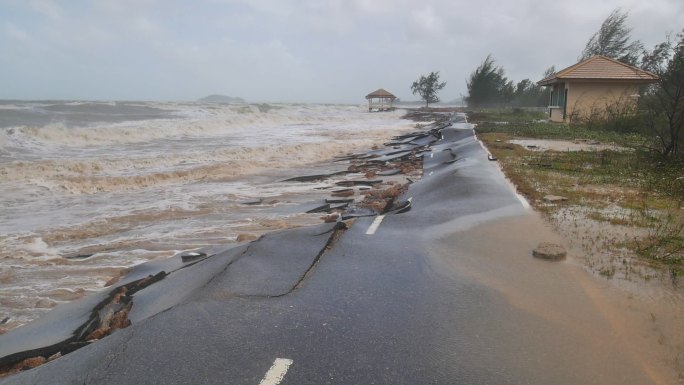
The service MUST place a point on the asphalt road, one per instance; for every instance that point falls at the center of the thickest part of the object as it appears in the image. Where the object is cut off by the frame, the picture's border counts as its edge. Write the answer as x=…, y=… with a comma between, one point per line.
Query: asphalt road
x=421, y=297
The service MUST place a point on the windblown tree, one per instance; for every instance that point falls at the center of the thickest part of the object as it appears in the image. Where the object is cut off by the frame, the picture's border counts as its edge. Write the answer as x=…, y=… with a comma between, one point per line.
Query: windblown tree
x=549, y=71
x=488, y=85
x=664, y=102
x=528, y=94
x=614, y=40
x=427, y=87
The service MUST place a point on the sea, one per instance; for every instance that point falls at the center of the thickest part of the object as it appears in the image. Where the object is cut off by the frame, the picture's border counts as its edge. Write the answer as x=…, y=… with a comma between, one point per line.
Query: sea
x=89, y=189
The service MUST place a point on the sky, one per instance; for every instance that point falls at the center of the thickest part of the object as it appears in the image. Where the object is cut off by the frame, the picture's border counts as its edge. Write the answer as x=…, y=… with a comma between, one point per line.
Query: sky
x=326, y=51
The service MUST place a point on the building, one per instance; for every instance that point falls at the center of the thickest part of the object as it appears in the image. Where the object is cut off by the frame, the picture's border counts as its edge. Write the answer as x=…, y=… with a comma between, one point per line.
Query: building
x=593, y=87
x=380, y=100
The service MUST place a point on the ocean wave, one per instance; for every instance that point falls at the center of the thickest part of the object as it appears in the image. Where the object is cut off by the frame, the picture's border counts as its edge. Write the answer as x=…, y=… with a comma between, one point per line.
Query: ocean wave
x=200, y=121
x=101, y=174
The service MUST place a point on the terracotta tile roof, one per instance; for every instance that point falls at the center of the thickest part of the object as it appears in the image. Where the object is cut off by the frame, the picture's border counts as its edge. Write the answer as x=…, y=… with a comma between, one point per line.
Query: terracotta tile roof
x=380, y=93
x=600, y=68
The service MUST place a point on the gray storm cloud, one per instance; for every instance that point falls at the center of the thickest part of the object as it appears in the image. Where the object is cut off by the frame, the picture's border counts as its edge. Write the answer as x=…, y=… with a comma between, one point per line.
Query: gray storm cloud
x=312, y=51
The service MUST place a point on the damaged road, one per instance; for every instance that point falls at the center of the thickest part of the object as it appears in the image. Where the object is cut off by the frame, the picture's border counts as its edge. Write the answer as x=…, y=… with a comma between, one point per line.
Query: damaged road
x=253, y=270
x=375, y=296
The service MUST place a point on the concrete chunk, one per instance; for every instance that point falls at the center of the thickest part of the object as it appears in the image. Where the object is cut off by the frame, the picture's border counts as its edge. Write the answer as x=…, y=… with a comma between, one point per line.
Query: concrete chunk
x=549, y=251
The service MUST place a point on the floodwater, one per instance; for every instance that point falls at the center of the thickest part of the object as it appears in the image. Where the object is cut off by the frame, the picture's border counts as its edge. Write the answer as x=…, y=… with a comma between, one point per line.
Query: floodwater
x=556, y=319
x=566, y=145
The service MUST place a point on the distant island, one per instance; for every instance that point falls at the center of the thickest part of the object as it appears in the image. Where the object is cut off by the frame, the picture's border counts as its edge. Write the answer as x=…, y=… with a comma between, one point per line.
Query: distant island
x=222, y=99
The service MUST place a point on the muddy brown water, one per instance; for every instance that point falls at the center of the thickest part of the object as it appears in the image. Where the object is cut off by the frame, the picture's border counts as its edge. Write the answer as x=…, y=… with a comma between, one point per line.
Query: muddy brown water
x=560, y=316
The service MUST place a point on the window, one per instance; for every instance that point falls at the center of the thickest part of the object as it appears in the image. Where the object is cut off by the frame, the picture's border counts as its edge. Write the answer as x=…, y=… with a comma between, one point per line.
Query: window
x=558, y=95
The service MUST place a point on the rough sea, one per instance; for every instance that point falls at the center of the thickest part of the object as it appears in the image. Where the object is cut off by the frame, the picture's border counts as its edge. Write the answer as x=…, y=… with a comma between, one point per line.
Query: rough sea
x=88, y=189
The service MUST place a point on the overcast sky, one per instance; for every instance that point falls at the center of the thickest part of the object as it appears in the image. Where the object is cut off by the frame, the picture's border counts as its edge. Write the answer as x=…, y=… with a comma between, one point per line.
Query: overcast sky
x=287, y=50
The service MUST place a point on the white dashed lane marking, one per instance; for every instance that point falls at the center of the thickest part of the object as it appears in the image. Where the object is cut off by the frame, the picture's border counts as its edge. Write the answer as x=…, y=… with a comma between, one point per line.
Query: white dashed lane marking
x=374, y=226
x=277, y=372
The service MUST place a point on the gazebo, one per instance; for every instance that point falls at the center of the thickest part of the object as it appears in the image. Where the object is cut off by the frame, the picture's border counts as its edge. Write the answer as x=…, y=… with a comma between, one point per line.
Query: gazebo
x=380, y=100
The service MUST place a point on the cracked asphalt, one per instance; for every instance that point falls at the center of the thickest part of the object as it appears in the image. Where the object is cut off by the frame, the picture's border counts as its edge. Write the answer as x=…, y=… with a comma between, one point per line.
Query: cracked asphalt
x=416, y=302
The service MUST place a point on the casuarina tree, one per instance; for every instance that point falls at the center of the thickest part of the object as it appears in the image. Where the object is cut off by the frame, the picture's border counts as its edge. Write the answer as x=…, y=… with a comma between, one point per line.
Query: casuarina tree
x=528, y=94
x=427, y=87
x=665, y=101
x=614, y=41
x=488, y=85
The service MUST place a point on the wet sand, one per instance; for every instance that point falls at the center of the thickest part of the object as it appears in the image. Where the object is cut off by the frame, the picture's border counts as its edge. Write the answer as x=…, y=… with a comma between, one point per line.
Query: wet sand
x=584, y=310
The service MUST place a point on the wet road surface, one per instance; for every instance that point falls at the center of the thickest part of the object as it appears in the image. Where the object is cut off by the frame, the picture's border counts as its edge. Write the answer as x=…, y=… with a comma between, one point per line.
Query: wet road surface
x=446, y=293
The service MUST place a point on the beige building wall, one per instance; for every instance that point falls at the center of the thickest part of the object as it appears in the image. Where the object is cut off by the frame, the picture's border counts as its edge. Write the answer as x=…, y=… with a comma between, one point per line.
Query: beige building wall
x=556, y=114
x=587, y=100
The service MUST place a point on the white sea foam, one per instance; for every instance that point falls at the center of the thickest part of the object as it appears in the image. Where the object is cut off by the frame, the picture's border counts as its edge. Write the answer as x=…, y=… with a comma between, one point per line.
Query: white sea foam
x=203, y=122
x=209, y=149
x=97, y=175
x=39, y=247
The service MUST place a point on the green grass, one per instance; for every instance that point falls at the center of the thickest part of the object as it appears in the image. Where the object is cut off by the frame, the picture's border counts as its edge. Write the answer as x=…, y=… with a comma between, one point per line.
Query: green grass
x=507, y=115
x=548, y=130
x=633, y=180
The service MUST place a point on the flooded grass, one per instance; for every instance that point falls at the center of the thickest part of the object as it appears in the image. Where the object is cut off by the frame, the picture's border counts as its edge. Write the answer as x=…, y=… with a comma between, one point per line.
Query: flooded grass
x=629, y=191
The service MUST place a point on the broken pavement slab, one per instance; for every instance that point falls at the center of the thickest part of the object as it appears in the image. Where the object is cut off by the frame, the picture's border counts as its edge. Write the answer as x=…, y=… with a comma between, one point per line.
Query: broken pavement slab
x=389, y=172
x=270, y=267
x=314, y=178
x=192, y=256
x=275, y=264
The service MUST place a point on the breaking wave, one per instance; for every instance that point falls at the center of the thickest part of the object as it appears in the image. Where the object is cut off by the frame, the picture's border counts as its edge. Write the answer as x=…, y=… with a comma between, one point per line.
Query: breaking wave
x=198, y=122
x=102, y=174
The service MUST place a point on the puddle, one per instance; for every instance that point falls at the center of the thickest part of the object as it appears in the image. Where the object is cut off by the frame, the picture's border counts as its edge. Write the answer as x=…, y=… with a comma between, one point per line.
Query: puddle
x=566, y=145
x=615, y=335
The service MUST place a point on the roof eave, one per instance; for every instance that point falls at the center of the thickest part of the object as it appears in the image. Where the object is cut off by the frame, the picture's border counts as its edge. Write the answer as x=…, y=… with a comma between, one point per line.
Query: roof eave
x=558, y=77
x=549, y=82
x=612, y=80
x=369, y=96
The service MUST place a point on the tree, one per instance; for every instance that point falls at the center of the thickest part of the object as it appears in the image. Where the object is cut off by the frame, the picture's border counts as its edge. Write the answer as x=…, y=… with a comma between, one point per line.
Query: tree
x=549, y=71
x=614, y=41
x=665, y=101
x=427, y=87
x=488, y=85
x=528, y=94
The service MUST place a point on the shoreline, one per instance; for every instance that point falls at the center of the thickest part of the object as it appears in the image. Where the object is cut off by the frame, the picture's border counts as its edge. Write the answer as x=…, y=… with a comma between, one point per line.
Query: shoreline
x=83, y=235
x=352, y=193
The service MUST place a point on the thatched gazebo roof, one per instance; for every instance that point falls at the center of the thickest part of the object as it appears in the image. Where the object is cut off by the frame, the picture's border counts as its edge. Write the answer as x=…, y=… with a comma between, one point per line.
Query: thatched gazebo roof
x=380, y=93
